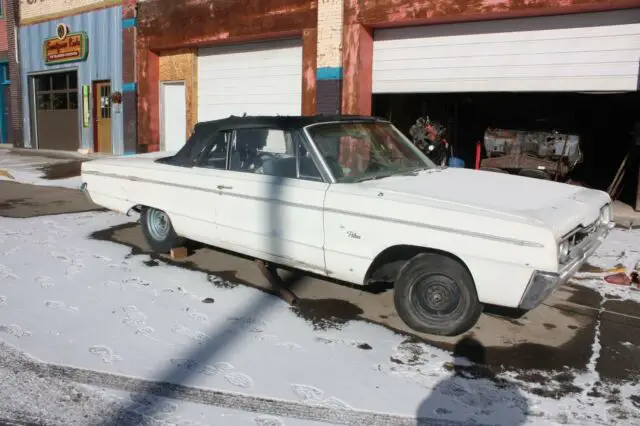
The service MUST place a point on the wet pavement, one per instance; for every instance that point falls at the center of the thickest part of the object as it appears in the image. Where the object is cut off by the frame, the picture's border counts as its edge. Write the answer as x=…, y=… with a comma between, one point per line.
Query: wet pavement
x=547, y=346
x=62, y=170
x=48, y=168
x=22, y=200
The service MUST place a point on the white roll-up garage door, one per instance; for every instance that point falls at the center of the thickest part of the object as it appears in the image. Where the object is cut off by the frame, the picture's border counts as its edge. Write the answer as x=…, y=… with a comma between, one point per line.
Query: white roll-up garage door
x=594, y=52
x=262, y=78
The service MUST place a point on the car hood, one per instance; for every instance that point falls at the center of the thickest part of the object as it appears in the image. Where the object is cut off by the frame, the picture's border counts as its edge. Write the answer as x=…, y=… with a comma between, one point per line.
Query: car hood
x=560, y=207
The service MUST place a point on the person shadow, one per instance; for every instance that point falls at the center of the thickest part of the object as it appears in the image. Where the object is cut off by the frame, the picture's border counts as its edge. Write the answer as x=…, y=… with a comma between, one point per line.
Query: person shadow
x=472, y=393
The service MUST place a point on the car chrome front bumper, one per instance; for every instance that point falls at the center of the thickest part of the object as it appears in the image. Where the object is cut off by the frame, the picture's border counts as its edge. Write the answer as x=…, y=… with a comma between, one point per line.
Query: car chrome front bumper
x=542, y=284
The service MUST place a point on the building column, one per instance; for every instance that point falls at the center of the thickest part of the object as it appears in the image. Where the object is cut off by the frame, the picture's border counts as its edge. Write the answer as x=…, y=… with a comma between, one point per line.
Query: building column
x=148, y=85
x=16, y=130
x=329, y=54
x=129, y=92
x=309, y=62
x=358, y=69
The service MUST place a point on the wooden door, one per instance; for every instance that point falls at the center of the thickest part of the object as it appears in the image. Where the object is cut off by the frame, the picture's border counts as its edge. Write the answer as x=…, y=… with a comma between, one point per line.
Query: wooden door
x=102, y=116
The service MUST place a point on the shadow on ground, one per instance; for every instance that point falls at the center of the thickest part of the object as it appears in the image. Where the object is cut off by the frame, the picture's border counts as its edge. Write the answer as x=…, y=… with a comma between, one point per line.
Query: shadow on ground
x=472, y=384
x=19, y=200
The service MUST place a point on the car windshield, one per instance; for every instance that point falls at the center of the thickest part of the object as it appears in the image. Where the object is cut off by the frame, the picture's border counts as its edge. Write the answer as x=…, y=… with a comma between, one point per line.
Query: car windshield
x=356, y=152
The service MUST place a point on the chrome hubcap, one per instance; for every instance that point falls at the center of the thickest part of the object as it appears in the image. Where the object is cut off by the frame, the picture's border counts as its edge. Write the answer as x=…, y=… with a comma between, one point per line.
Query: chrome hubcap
x=158, y=224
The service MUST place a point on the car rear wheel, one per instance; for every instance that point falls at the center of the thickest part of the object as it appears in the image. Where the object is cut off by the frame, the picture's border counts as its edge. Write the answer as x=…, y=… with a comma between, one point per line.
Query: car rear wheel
x=158, y=230
x=435, y=294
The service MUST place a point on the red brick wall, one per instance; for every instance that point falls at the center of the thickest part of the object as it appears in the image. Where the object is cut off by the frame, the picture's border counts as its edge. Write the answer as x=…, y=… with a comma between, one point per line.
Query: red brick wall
x=169, y=25
x=16, y=135
x=3, y=29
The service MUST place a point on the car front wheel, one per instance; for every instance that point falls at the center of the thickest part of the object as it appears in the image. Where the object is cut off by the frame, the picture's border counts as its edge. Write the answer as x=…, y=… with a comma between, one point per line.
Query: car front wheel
x=435, y=294
x=158, y=230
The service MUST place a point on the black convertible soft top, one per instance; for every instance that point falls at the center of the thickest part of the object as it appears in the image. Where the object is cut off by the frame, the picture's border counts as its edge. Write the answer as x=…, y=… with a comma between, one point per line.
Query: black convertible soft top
x=204, y=131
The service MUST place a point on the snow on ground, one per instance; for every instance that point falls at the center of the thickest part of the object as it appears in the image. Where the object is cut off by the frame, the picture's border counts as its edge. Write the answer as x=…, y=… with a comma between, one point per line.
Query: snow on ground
x=25, y=169
x=32, y=397
x=621, y=248
x=73, y=301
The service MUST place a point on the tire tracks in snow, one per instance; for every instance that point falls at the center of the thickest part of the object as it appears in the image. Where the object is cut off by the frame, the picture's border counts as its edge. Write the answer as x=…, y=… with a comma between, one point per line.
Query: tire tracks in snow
x=230, y=400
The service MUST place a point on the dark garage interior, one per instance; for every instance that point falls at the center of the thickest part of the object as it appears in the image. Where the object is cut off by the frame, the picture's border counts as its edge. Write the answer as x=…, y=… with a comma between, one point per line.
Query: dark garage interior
x=604, y=122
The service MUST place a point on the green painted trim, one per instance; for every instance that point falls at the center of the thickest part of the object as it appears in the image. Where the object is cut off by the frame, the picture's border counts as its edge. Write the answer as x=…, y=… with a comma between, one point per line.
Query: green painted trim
x=85, y=49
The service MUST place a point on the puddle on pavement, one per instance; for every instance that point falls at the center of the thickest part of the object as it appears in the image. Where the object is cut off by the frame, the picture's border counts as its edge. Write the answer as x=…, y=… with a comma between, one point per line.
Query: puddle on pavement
x=220, y=282
x=589, y=268
x=14, y=208
x=555, y=386
x=61, y=170
x=584, y=296
x=15, y=203
x=324, y=314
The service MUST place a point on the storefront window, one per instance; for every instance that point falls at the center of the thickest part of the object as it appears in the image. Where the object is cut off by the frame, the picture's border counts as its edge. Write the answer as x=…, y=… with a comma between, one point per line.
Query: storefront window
x=105, y=101
x=57, y=91
x=59, y=81
x=43, y=83
x=73, y=100
x=60, y=101
x=44, y=101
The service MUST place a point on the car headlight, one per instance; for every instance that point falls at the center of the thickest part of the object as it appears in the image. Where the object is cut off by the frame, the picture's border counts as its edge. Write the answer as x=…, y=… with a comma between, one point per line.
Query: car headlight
x=563, y=251
x=605, y=215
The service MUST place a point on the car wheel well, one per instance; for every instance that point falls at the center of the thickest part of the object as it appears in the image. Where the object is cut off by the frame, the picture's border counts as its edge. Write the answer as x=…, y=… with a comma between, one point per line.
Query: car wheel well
x=387, y=264
x=137, y=208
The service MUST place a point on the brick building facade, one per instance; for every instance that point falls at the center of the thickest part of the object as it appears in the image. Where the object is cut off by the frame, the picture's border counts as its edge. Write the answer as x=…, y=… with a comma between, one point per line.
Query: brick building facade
x=182, y=45
x=71, y=74
x=7, y=25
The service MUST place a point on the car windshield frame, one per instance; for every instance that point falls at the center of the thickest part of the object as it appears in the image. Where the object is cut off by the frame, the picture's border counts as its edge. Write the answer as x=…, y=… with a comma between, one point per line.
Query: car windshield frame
x=401, y=143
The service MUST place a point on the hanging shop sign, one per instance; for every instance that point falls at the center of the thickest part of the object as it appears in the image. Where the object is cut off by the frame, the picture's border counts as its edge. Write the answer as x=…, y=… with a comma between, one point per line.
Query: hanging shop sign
x=65, y=47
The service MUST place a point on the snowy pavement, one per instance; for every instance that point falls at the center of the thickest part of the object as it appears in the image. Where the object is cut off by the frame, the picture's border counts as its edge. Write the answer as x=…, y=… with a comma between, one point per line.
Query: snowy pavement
x=29, y=169
x=104, y=329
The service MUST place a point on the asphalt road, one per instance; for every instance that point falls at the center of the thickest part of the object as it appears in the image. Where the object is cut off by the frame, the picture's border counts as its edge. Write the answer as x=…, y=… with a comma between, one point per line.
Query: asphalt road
x=556, y=335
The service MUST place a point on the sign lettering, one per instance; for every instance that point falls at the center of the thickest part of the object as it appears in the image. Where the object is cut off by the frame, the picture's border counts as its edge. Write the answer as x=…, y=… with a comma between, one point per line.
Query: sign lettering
x=72, y=48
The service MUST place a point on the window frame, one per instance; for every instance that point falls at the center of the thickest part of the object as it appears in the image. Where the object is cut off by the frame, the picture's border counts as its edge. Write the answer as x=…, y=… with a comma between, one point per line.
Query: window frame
x=289, y=139
x=68, y=92
x=204, y=153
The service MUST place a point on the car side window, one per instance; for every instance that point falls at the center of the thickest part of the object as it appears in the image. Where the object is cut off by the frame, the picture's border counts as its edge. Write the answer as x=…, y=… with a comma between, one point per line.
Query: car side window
x=214, y=156
x=307, y=169
x=272, y=152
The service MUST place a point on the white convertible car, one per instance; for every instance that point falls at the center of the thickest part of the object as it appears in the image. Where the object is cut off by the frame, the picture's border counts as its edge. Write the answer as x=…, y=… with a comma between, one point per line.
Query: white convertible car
x=351, y=198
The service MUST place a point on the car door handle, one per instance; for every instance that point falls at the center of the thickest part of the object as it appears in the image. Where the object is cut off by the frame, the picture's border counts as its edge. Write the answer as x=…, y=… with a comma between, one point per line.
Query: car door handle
x=224, y=187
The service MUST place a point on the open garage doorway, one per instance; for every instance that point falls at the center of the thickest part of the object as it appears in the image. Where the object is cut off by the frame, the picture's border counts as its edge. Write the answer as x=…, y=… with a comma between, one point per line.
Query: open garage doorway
x=605, y=123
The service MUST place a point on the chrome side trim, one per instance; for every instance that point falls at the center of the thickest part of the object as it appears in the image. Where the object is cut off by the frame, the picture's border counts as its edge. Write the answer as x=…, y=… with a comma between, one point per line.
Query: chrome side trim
x=336, y=211
x=318, y=158
x=440, y=228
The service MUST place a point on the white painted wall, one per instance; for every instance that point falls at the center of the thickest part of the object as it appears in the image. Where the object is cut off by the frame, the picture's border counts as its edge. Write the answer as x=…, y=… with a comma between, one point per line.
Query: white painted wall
x=262, y=78
x=173, y=115
x=590, y=52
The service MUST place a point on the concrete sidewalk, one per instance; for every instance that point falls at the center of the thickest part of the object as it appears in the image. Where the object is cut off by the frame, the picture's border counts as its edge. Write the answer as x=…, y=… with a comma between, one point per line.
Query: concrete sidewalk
x=51, y=153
